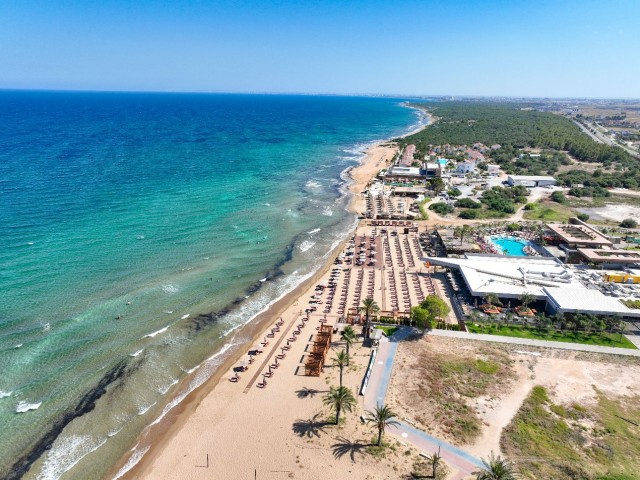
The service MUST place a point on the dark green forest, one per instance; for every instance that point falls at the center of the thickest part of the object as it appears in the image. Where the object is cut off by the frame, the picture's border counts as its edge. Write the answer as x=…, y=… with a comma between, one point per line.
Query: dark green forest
x=465, y=123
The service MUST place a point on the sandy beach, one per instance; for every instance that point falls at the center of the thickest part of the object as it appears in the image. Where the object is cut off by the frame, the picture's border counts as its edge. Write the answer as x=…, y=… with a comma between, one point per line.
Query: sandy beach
x=242, y=428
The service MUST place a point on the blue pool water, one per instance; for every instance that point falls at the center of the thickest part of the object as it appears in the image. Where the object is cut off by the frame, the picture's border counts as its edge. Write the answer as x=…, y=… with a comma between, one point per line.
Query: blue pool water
x=511, y=245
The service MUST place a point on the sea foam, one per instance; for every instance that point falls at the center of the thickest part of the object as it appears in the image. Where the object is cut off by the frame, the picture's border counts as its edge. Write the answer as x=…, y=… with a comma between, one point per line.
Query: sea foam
x=23, y=406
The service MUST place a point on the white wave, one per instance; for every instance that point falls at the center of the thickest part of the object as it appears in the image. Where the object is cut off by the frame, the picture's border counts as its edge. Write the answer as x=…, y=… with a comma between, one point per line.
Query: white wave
x=312, y=184
x=168, y=312
x=132, y=462
x=23, y=406
x=163, y=390
x=185, y=316
x=315, y=230
x=267, y=204
x=4, y=394
x=140, y=237
x=263, y=279
x=203, y=374
x=113, y=433
x=18, y=345
x=67, y=452
x=327, y=211
x=30, y=243
x=170, y=288
x=162, y=330
x=306, y=245
x=144, y=410
x=136, y=353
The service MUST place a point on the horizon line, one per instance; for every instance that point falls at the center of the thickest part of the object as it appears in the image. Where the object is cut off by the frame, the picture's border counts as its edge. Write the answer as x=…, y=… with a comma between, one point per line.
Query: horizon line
x=321, y=94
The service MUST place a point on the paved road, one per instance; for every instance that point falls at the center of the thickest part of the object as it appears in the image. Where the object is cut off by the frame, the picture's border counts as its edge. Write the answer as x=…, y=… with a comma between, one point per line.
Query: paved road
x=539, y=343
x=463, y=462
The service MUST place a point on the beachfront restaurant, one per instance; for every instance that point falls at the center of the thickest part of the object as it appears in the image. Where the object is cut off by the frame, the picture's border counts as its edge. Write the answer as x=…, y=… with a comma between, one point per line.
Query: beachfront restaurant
x=562, y=288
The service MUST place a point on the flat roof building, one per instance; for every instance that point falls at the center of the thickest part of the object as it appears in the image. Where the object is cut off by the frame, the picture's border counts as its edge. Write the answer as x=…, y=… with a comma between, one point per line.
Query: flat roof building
x=614, y=257
x=565, y=289
x=579, y=235
x=530, y=180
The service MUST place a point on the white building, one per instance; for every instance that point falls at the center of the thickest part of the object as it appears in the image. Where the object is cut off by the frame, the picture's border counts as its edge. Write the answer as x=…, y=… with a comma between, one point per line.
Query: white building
x=493, y=169
x=530, y=180
x=466, y=167
x=403, y=171
x=564, y=289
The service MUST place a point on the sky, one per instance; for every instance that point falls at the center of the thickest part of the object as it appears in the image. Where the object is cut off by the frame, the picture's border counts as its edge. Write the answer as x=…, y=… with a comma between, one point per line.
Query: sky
x=557, y=48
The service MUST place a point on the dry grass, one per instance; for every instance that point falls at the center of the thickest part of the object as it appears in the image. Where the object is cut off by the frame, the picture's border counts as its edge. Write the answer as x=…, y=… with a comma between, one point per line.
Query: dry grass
x=434, y=384
x=566, y=442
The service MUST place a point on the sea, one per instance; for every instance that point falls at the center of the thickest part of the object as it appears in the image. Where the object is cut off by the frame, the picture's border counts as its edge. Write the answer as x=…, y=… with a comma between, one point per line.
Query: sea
x=138, y=233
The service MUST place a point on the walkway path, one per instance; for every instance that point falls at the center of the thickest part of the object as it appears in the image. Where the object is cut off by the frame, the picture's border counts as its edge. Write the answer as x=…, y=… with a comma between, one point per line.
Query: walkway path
x=536, y=343
x=463, y=462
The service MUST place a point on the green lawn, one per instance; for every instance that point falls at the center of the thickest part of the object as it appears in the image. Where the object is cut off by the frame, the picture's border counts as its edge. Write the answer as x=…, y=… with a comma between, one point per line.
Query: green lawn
x=388, y=331
x=550, y=212
x=605, y=339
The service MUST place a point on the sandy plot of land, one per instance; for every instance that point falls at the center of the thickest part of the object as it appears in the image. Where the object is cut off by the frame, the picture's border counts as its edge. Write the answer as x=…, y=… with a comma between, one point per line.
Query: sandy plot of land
x=571, y=376
x=614, y=212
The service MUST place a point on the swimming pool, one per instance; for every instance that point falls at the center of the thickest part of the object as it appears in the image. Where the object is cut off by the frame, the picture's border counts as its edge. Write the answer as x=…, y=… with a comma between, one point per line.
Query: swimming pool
x=510, y=245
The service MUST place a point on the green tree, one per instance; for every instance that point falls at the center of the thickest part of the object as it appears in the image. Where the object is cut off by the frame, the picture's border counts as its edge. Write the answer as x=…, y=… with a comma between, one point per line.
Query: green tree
x=382, y=417
x=628, y=223
x=558, y=197
x=421, y=318
x=492, y=299
x=435, y=307
x=339, y=399
x=348, y=336
x=369, y=307
x=437, y=185
x=526, y=298
x=495, y=468
x=461, y=232
x=341, y=360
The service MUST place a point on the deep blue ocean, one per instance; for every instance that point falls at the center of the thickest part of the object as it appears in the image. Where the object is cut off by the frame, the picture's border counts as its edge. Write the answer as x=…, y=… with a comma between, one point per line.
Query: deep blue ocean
x=137, y=232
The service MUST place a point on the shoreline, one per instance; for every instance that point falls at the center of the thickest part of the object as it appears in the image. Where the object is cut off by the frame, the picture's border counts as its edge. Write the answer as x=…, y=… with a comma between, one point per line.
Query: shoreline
x=154, y=439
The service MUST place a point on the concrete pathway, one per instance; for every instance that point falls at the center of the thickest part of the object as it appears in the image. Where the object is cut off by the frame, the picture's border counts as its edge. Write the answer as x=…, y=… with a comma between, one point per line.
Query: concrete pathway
x=537, y=343
x=463, y=462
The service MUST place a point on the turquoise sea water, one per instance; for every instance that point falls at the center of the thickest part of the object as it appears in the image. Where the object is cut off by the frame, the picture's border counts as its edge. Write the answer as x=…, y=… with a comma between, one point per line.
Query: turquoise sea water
x=138, y=231
x=511, y=245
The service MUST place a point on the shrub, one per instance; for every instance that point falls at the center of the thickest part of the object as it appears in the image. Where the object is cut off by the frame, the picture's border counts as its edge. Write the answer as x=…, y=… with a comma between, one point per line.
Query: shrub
x=514, y=227
x=454, y=192
x=469, y=214
x=558, y=197
x=530, y=206
x=628, y=223
x=583, y=216
x=441, y=208
x=467, y=203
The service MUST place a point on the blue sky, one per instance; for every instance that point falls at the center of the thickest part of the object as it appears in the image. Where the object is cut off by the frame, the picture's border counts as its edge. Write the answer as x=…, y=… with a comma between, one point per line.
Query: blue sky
x=506, y=48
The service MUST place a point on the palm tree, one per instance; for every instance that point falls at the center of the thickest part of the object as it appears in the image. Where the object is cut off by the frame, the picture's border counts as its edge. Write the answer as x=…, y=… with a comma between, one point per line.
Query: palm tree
x=348, y=336
x=369, y=306
x=492, y=299
x=462, y=232
x=526, y=298
x=339, y=399
x=435, y=461
x=382, y=417
x=341, y=360
x=496, y=469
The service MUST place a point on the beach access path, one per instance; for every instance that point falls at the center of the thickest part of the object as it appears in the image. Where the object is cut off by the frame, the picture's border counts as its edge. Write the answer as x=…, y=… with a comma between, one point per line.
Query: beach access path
x=529, y=342
x=463, y=463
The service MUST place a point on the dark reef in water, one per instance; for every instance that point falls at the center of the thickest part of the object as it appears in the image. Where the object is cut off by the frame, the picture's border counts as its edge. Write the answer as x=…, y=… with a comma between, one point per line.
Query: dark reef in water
x=86, y=404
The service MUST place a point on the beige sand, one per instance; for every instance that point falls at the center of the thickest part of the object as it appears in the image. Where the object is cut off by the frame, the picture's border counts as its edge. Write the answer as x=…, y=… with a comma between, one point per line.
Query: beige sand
x=243, y=428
